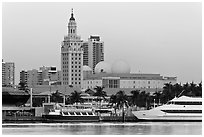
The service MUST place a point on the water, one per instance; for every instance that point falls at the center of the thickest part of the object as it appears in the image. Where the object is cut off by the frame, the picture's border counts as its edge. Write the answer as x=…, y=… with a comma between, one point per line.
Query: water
x=136, y=128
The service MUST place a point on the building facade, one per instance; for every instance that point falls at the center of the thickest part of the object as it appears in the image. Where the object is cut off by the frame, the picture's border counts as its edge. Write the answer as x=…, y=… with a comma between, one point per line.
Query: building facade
x=8, y=74
x=93, y=51
x=72, y=56
x=43, y=76
x=143, y=82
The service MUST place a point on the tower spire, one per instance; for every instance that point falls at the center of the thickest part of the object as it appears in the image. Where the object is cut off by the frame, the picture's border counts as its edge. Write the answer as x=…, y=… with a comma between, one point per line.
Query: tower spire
x=72, y=15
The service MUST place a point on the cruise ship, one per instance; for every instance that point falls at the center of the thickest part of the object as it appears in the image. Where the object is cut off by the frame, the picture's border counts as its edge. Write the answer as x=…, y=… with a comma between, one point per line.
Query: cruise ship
x=182, y=108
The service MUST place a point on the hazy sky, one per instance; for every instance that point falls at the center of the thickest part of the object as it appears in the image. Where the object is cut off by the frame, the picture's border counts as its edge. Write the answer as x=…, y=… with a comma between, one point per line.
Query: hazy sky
x=164, y=38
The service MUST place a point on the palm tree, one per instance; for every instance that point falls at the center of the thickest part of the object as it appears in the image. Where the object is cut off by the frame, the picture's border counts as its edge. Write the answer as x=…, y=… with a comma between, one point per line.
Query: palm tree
x=113, y=101
x=55, y=97
x=177, y=88
x=134, y=97
x=121, y=101
x=199, y=90
x=167, y=93
x=157, y=96
x=75, y=97
x=100, y=93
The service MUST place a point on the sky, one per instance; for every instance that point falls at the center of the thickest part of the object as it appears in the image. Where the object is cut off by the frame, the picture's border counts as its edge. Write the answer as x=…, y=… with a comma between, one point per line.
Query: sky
x=162, y=38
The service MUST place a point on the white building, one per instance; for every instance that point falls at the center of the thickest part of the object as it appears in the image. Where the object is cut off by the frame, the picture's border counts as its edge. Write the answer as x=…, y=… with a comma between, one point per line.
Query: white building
x=8, y=74
x=72, y=56
x=121, y=78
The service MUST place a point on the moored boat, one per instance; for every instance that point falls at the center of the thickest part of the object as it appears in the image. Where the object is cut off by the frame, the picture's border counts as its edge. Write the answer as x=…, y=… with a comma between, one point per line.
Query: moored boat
x=178, y=109
x=71, y=114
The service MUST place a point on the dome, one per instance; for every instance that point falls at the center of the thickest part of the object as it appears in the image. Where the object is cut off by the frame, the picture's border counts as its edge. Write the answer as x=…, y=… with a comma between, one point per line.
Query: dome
x=120, y=67
x=86, y=68
x=103, y=67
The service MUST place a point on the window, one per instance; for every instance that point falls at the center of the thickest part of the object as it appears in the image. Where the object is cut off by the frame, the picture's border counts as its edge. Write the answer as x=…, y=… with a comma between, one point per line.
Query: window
x=83, y=113
x=78, y=113
x=90, y=113
x=71, y=113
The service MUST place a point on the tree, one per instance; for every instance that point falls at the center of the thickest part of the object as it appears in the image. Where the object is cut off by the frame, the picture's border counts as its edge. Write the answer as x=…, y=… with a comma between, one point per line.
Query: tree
x=113, y=101
x=121, y=101
x=75, y=97
x=167, y=93
x=100, y=93
x=199, y=90
x=177, y=88
x=56, y=97
x=157, y=96
x=134, y=97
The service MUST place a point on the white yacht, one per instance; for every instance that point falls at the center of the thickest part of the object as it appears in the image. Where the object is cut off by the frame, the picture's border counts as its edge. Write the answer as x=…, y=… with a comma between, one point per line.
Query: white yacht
x=178, y=109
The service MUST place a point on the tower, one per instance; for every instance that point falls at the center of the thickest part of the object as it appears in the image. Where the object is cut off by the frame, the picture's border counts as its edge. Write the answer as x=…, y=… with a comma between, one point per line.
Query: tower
x=72, y=56
x=8, y=73
x=93, y=51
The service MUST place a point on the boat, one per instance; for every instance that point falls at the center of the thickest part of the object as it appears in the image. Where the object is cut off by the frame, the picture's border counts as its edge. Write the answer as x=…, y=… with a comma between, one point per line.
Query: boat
x=71, y=113
x=182, y=108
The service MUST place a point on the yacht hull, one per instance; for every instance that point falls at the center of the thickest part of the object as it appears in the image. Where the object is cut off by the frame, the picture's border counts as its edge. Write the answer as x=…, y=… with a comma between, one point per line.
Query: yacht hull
x=60, y=118
x=151, y=116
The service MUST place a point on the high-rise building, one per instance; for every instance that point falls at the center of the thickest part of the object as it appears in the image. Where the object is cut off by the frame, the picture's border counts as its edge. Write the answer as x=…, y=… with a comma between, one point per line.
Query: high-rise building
x=72, y=56
x=43, y=76
x=8, y=74
x=93, y=51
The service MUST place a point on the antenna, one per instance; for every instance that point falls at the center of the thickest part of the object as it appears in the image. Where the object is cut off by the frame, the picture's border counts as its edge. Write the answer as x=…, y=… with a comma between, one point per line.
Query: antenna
x=181, y=93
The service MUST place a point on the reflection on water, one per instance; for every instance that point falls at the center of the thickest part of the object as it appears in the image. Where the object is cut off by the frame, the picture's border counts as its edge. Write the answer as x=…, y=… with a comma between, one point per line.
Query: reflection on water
x=145, y=128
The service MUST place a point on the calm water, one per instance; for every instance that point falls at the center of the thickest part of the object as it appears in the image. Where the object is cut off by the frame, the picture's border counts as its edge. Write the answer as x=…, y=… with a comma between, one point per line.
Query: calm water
x=142, y=128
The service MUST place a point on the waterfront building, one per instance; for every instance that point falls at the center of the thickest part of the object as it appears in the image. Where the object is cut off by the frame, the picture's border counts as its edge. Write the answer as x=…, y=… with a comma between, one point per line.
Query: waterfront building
x=93, y=51
x=8, y=73
x=118, y=77
x=72, y=56
x=43, y=76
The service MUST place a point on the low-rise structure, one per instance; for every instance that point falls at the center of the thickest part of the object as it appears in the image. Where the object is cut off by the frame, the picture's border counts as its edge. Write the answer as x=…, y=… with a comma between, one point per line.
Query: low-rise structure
x=118, y=76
